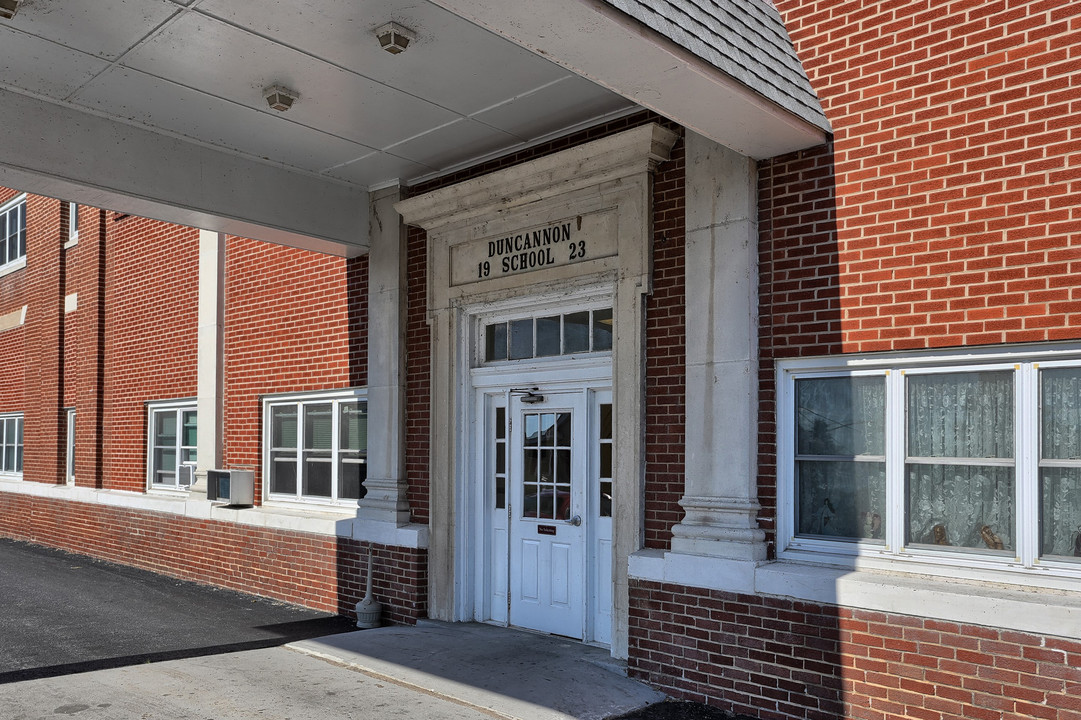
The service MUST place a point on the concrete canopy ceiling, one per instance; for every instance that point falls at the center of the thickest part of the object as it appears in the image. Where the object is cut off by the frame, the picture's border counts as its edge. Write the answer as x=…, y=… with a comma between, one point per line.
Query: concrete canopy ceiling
x=156, y=107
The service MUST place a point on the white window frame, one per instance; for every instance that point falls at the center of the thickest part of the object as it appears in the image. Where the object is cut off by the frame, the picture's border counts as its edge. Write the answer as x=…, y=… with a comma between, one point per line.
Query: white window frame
x=69, y=445
x=7, y=266
x=1023, y=565
x=179, y=408
x=516, y=313
x=300, y=400
x=7, y=419
x=73, y=225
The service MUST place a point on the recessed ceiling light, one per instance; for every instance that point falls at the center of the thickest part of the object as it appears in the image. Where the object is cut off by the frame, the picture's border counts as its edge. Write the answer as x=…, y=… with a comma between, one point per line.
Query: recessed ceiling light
x=394, y=38
x=277, y=97
x=8, y=8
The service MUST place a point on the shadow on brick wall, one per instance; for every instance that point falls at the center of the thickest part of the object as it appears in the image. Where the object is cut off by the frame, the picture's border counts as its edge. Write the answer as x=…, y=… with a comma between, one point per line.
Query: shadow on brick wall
x=752, y=654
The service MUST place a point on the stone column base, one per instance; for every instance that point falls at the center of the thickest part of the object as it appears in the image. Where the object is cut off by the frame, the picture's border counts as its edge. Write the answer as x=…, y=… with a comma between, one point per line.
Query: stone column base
x=720, y=527
x=384, y=501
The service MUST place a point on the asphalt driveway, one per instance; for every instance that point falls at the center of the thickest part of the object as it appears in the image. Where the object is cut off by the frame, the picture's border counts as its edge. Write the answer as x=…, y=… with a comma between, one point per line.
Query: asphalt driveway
x=62, y=613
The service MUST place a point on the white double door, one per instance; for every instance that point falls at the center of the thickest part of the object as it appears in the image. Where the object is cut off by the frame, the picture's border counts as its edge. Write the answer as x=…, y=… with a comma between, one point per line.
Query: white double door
x=548, y=524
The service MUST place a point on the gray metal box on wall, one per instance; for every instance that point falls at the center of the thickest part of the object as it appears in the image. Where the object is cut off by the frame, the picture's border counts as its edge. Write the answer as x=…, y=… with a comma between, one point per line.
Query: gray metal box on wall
x=233, y=487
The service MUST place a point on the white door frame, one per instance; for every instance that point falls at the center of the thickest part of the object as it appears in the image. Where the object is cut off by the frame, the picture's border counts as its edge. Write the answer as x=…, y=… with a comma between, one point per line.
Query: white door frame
x=586, y=376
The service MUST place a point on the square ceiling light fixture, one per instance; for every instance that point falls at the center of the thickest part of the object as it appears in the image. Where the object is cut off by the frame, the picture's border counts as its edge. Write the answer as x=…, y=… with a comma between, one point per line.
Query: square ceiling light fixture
x=8, y=8
x=277, y=97
x=394, y=38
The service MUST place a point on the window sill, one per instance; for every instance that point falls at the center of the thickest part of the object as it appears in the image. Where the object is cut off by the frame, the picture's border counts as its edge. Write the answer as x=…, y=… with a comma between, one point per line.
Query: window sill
x=13, y=267
x=1014, y=605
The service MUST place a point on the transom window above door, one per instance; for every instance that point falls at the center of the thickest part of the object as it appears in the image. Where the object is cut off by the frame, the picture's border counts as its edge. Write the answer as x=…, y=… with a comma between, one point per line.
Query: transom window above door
x=572, y=333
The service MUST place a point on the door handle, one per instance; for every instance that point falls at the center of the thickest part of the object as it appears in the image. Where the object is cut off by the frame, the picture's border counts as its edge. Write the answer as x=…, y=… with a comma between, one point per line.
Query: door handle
x=575, y=521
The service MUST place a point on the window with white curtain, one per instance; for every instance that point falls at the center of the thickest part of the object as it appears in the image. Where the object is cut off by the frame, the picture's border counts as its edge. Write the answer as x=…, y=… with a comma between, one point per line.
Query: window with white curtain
x=973, y=462
x=316, y=447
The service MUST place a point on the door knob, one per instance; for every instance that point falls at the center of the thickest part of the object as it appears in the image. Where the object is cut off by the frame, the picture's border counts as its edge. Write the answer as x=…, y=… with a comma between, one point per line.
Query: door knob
x=575, y=521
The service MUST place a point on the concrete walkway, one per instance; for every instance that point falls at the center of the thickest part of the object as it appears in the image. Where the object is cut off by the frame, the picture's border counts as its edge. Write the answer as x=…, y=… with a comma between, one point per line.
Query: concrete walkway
x=435, y=670
x=510, y=673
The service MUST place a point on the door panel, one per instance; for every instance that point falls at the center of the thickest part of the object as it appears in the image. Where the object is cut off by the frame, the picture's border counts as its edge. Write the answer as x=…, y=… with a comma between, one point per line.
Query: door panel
x=547, y=488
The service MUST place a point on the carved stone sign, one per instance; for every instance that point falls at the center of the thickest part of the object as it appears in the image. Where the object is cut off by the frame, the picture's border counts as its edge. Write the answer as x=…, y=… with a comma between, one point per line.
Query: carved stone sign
x=563, y=242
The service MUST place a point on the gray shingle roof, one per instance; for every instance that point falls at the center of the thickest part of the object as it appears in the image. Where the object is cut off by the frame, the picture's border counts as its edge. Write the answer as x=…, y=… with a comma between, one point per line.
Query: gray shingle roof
x=745, y=39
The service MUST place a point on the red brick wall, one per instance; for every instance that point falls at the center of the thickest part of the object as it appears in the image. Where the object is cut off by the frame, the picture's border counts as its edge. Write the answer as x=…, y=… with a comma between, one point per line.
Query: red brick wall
x=151, y=328
x=325, y=573
x=418, y=375
x=949, y=195
x=945, y=212
x=43, y=335
x=778, y=658
x=12, y=344
x=86, y=272
x=295, y=321
x=13, y=295
x=666, y=353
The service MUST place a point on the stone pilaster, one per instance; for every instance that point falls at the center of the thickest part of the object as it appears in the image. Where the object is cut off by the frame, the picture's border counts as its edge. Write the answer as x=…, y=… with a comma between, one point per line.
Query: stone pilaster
x=211, y=357
x=722, y=368
x=385, y=498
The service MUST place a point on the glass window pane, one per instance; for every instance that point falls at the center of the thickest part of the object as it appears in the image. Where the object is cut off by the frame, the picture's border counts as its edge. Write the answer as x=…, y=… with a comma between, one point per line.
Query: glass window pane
x=190, y=436
x=602, y=330
x=283, y=473
x=547, y=466
x=521, y=339
x=548, y=340
x=317, y=475
x=841, y=499
x=352, y=472
x=576, y=332
x=165, y=427
x=530, y=466
x=606, y=499
x=606, y=421
x=501, y=458
x=164, y=460
x=531, y=430
x=606, y=460
x=500, y=423
x=283, y=420
x=500, y=493
x=562, y=467
x=353, y=426
x=1060, y=413
x=841, y=416
x=1060, y=513
x=963, y=415
x=563, y=429
x=961, y=506
x=495, y=342
x=318, y=422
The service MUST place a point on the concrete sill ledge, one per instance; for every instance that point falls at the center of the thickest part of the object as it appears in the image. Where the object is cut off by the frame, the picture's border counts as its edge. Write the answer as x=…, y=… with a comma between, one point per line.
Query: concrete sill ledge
x=1019, y=607
x=341, y=523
